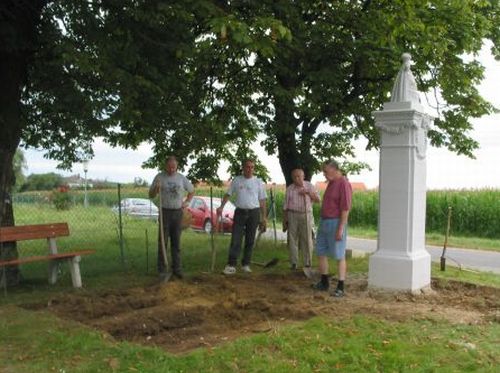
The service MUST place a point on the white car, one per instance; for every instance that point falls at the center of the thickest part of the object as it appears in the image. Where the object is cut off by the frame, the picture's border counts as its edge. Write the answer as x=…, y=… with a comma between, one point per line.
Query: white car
x=138, y=207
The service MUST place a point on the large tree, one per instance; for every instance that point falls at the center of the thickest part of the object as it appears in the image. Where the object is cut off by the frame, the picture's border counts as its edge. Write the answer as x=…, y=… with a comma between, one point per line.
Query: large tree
x=206, y=78
x=314, y=94
x=125, y=70
x=120, y=69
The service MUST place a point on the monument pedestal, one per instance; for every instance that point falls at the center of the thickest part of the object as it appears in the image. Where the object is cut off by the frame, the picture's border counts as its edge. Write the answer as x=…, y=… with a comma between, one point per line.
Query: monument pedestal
x=401, y=261
x=400, y=272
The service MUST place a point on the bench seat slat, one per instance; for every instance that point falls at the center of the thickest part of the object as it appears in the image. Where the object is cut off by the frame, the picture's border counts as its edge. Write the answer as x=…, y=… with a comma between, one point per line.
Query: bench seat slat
x=32, y=232
x=38, y=258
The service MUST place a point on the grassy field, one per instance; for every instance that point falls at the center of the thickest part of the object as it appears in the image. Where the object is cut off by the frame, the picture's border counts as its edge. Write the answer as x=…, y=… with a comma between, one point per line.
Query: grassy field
x=97, y=228
x=437, y=239
x=475, y=213
x=39, y=341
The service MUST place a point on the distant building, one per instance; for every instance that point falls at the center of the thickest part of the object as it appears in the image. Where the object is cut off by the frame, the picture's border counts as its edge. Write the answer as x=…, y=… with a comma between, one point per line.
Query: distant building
x=77, y=182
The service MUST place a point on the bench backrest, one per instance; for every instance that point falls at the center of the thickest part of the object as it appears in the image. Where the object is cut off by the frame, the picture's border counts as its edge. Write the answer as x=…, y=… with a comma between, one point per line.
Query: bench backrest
x=32, y=232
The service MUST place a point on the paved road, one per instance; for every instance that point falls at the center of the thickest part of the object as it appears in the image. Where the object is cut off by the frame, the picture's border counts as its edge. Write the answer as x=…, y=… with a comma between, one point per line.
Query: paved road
x=472, y=259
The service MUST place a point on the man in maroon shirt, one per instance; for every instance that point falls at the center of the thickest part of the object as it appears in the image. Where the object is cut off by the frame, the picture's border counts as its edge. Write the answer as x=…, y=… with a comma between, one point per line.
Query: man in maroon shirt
x=332, y=232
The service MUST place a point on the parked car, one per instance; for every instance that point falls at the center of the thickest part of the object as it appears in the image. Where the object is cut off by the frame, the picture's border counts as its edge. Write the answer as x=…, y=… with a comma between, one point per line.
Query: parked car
x=138, y=207
x=203, y=220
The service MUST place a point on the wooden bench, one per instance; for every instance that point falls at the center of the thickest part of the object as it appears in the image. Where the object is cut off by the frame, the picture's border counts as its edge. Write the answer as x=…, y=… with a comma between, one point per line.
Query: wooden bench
x=49, y=232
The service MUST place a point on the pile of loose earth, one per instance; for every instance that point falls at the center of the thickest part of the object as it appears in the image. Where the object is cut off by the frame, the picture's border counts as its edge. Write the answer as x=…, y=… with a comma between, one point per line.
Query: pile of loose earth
x=209, y=309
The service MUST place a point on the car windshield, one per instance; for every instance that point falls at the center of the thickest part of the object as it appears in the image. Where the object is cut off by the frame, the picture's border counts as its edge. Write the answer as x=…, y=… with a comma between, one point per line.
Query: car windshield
x=141, y=202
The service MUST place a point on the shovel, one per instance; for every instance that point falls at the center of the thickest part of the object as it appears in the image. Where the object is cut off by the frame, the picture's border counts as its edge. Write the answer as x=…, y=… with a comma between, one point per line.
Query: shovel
x=310, y=273
x=269, y=264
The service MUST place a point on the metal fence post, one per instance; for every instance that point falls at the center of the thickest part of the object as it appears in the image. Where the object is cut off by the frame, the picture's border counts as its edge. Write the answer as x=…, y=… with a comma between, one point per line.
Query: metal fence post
x=120, y=225
x=147, y=250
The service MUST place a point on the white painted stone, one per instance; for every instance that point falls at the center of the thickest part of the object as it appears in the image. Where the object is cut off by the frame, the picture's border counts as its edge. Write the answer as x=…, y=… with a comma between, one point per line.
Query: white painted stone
x=74, y=268
x=353, y=253
x=401, y=261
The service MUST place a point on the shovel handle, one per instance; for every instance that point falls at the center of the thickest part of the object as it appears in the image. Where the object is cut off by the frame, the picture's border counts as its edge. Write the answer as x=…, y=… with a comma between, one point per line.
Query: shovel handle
x=162, y=232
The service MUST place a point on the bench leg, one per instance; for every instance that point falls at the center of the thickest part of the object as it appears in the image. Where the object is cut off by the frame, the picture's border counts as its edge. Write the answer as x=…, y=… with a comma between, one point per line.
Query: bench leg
x=74, y=268
x=53, y=269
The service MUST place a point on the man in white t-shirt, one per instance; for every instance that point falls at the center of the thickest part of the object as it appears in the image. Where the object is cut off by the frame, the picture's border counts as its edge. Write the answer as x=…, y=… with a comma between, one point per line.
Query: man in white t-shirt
x=250, y=201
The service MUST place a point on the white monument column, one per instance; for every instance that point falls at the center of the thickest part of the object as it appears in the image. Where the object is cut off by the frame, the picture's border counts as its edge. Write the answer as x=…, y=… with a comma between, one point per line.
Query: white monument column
x=401, y=261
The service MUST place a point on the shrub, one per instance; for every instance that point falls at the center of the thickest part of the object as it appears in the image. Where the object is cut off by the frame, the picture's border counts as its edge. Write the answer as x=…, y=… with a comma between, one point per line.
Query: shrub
x=61, y=198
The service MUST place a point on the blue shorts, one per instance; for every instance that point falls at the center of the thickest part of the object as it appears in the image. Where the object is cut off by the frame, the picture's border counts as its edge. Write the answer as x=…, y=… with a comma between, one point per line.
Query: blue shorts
x=326, y=244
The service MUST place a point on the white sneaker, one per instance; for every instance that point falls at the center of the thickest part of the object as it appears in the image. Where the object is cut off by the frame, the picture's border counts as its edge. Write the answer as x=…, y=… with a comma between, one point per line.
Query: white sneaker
x=246, y=269
x=229, y=270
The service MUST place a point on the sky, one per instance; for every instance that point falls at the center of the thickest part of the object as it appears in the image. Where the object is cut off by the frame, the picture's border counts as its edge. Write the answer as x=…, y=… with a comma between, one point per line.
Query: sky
x=445, y=170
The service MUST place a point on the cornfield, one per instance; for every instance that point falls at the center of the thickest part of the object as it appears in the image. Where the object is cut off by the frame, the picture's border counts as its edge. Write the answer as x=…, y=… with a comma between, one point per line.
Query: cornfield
x=474, y=212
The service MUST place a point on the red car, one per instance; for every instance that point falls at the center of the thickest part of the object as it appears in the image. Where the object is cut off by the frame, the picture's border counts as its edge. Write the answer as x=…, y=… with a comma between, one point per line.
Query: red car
x=202, y=219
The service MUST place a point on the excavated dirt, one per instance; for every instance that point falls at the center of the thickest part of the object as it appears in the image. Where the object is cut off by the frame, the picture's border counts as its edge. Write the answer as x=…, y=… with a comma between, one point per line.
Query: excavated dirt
x=210, y=309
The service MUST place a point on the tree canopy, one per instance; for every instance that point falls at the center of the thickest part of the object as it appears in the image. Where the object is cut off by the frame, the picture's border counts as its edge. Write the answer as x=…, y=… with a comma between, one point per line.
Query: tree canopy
x=204, y=79
x=314, y=94
x=47, y=181
x=120, y=69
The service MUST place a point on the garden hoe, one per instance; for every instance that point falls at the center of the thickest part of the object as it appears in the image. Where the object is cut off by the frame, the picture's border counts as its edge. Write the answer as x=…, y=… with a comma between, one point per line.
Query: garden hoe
x=164, y=276
x=262, y=230
x=268, y=264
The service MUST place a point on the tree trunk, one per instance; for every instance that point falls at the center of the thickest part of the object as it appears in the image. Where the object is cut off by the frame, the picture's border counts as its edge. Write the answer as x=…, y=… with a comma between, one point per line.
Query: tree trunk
x=11, y=135
x=17, y=45
x=290, y=155
x=8, y=250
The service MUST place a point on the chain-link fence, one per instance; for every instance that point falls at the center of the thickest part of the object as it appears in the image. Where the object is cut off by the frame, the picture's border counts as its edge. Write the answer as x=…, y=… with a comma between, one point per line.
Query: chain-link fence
x=120, y=223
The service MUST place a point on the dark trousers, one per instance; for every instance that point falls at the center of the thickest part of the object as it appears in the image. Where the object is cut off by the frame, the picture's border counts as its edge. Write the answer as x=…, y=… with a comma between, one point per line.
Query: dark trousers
x=172, y=228
x=245, y=223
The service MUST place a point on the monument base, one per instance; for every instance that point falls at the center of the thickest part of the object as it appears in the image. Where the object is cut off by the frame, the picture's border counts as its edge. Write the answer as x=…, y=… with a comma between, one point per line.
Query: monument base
x=387, y=270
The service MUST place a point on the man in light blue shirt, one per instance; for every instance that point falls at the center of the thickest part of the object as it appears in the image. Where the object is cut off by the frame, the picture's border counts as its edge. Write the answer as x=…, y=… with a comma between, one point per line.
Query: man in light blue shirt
x=250, y=201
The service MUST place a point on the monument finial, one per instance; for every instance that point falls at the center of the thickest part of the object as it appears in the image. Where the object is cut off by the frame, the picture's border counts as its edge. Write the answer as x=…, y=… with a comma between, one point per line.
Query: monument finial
x=405, y=88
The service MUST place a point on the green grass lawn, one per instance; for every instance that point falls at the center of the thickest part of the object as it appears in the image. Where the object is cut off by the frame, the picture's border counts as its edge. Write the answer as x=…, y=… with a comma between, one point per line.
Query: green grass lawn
x=40, y=342
x=37, y=341
x=437, y=239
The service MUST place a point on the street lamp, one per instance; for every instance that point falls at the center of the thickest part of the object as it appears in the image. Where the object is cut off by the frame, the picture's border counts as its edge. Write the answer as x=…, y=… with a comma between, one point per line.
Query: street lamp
x=85, y=164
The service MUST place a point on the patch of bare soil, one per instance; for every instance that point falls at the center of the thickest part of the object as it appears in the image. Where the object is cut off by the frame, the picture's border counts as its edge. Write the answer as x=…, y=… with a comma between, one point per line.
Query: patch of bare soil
x=209, y=309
